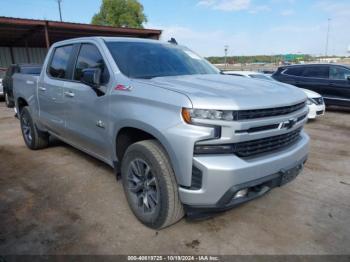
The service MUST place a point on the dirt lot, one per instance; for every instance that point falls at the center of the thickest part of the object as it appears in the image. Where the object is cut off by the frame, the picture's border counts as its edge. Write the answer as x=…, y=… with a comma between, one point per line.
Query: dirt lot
x=61, y=201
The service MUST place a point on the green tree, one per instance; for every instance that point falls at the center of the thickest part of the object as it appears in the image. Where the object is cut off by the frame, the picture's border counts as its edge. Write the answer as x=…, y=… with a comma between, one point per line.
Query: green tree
x=121, y=13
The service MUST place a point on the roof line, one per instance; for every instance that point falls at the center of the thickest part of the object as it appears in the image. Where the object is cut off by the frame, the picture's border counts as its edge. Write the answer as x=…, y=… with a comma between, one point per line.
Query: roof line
x=70, y=25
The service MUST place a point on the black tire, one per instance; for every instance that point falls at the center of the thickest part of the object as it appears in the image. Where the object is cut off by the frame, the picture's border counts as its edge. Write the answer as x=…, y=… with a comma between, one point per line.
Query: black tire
x=33, y=137
x=8, y=102
x=163, y=207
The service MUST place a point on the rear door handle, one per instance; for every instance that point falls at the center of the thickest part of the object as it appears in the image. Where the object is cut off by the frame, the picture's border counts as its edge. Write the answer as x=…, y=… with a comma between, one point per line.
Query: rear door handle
x=42, y=88
x=69, y=94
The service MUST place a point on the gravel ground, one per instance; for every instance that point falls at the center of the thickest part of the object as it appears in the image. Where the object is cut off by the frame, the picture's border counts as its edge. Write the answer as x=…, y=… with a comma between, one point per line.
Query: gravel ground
x=61, y=201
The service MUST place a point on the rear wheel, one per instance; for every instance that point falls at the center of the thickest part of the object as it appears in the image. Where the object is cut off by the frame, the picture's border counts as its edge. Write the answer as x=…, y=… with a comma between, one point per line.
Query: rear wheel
x=150, y=185
x=33, y=137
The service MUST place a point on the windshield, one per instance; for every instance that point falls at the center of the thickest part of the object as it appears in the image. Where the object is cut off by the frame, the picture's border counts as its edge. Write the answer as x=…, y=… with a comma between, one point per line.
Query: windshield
x=258, y=76
x=148, y=60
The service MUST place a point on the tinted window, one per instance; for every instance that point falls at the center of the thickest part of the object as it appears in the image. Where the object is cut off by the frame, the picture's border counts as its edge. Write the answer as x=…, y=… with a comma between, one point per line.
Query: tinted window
x=316, y=71
x=59, y=63
x=148, y=60
x=294, y=71
x=339, y=73
x=90, y=57
x=31, y=70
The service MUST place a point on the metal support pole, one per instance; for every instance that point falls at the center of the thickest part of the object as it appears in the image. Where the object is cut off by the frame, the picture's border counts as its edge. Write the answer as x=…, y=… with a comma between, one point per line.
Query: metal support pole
x=327, y=40
x=27, y=51
x=59, y=9
x=47, y=39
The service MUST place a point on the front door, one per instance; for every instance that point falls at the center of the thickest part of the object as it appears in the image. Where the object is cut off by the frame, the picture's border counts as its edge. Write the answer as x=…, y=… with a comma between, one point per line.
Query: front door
x=86, y=111
x=339, y=85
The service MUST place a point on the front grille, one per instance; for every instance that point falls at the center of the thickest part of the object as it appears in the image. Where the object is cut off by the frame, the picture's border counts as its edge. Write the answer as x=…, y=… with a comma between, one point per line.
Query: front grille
x=318, y=100
x=259, y=113
x=255, y=147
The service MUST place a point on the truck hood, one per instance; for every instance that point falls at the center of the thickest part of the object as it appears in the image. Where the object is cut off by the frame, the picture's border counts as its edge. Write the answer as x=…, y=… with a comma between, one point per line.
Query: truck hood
x=225, y=92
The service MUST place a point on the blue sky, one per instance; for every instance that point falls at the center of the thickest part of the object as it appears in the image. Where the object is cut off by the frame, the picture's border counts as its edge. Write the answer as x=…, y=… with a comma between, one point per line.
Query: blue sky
x=248, y=27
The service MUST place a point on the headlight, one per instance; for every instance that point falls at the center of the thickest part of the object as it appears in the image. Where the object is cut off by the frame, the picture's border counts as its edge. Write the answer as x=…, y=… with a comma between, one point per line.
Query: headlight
x=310, y=101
x=191, y=114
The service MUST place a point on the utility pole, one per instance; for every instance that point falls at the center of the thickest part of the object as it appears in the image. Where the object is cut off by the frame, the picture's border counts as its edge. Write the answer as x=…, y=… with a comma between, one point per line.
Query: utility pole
x=59, y=8
x=327, y=40
x=226, y=50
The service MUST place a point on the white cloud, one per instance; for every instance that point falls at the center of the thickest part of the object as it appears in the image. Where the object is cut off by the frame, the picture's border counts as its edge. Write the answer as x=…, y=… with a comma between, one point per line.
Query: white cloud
x=287, y=12
x=259, y=8
x=226, y=5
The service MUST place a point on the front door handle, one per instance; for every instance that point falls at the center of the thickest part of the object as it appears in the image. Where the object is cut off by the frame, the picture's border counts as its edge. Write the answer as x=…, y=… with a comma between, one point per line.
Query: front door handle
x=69, y=94
x=42, y=88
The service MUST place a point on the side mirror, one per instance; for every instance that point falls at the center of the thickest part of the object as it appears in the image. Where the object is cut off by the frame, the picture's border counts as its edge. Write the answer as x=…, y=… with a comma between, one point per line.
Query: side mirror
x=348, y=78
x=91, y=77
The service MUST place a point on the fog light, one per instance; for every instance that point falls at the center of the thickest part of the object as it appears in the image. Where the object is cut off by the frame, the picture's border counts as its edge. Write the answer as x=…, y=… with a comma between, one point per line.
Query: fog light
x=241, y=193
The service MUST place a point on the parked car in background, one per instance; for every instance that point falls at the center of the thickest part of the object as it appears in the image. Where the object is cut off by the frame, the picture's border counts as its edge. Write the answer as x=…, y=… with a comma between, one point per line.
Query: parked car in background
x=314, y=102
x=332, y=81
x=183, y=137
x=7, y=82
x=2, y=75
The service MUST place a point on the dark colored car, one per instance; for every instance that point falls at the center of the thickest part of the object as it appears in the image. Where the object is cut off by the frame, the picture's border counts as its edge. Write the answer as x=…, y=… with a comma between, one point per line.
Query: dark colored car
x=7, y=82
x=332, y=81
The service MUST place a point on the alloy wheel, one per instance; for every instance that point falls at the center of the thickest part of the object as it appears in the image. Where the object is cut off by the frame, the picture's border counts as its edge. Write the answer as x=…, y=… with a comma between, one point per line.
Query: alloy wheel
x=27, y=131
x=142, y=186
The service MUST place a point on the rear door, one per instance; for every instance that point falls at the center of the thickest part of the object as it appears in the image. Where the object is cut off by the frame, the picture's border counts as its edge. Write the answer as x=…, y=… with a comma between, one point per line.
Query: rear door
x=87, y=111
x=315, y=78
x=51, y=88
x=290, y=75
x=339, y=84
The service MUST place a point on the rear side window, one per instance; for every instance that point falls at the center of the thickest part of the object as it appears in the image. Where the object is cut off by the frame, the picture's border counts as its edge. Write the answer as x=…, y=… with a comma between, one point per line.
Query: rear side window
x=316, y=71
x=294, y=71
x=339, y=73
x=90, y=57
x=59, y=62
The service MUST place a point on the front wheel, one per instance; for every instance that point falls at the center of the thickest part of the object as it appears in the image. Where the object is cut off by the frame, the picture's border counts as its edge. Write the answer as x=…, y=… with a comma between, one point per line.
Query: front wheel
x=33, y=137
x=150, y=185
x=8, y=102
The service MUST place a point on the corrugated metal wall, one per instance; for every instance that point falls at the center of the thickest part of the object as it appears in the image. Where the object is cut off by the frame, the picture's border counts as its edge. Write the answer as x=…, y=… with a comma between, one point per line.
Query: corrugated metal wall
x=36, y=55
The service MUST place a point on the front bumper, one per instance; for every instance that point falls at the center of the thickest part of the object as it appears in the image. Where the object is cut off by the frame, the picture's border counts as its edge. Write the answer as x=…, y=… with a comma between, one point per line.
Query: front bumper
x=316, y=110
x=222, y=173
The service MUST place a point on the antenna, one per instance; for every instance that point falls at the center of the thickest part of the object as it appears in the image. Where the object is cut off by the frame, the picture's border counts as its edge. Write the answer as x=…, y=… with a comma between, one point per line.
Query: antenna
x=173, y=41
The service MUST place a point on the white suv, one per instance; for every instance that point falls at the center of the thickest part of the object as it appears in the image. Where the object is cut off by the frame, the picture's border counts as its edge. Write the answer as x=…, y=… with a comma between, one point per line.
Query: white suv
x=315, y=101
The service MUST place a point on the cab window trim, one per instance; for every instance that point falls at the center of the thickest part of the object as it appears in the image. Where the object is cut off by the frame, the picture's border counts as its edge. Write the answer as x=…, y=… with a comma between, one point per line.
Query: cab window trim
x=71, y=55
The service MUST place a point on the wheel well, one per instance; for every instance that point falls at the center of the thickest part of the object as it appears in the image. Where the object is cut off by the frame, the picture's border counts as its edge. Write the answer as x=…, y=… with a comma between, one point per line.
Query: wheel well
x=128, y=136
x=21, y=103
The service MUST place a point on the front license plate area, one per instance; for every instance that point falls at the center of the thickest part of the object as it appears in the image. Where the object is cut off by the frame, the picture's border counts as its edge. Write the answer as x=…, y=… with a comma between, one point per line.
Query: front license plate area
x=290, y=175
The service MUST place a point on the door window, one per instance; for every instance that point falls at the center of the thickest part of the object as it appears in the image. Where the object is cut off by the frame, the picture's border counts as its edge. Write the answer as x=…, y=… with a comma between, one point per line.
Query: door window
x=90, y=57
x=316, y=71
x=339, y=73
x=294, y=71
x=60, y=61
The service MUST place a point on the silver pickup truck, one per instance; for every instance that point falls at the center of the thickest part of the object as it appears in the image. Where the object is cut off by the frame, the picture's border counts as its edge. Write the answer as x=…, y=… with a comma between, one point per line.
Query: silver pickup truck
x=184, y=138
